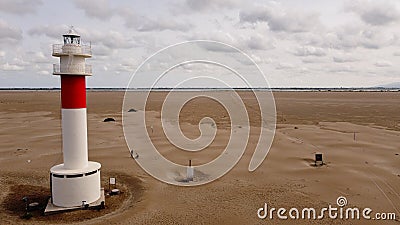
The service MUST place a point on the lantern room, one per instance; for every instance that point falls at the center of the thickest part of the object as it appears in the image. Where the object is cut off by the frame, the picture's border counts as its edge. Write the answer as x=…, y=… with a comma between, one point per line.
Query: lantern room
x=72, y=37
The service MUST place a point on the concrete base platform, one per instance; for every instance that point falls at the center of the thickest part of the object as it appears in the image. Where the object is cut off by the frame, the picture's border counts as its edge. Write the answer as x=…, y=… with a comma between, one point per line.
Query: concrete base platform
x=51, y=209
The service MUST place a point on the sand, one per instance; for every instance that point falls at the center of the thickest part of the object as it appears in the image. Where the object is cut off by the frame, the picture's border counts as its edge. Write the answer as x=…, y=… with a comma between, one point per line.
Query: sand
x=366, y=170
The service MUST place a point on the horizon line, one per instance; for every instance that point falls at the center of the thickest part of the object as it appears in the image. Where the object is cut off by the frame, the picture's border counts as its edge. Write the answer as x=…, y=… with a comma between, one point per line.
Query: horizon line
x=210, y=88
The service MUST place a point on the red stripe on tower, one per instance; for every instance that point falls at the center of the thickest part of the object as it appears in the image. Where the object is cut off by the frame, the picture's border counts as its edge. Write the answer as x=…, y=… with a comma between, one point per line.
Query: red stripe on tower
x=73, y=91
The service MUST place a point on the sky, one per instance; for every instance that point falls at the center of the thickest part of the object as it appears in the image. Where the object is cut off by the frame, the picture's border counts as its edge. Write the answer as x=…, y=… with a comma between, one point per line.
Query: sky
x=295, y=43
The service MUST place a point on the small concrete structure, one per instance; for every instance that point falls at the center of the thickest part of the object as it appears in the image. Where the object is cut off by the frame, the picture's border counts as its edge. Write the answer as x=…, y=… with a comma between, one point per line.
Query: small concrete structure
x=51, y=208
x=318, y=159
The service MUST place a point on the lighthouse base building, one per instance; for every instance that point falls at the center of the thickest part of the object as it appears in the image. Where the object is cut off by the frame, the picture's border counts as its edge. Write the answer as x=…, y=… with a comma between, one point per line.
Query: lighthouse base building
x=70, y=188
x=76, y=182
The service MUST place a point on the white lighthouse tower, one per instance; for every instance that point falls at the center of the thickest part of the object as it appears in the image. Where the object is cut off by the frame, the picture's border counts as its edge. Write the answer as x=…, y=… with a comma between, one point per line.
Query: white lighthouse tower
x=77, y=180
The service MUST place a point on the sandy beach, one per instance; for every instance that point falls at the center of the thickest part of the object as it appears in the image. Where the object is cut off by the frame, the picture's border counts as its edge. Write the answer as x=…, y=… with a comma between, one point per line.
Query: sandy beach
x=358, y=134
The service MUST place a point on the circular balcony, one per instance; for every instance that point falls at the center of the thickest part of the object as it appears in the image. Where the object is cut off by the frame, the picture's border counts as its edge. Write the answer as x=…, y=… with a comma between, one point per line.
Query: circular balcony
x=72, y=49
x=85, y=70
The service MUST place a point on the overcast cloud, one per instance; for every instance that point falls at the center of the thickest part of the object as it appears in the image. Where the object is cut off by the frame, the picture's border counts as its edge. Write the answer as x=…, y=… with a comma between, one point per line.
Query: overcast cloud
x=20, y=7
x=374, y=12
x=305, y=43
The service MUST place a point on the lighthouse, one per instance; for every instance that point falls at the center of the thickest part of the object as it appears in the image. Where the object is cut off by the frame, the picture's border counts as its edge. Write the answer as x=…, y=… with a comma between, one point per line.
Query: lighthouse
x=76, y=182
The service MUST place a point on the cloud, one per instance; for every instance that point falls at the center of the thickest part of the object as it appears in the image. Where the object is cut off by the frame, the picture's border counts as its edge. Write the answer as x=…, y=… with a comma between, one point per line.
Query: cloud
x=102, y=9
x=145, y=24
x=20, y=7
x=258, y=42
x=102, y=51
x=193, y=6
x=9, y=34
x=320, y=38
x=284, y=66
x=216, y=47
x=99, y=9
x=109, y=38
x=257, y=59
x=343, y=58
x=219, y=36
x=279, y=18
x=10, y=67
x=43, y=72
x=359, y=35
x=130, y=18
x=38, y=57
x=374, y=12
x=203, y=68
x=309, y=51
x=309, y=60
x=250, y=41
x=341, y=69
x=383, y=63
x=200, y=5
x=161, y=24
x=54, y=31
